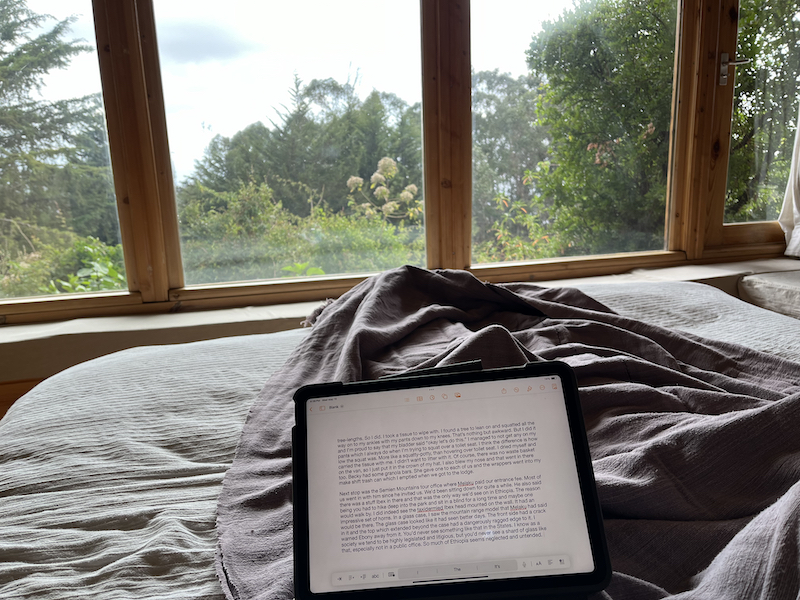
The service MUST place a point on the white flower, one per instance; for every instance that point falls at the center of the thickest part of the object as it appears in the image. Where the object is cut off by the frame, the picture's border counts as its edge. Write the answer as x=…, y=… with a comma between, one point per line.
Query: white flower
x=406, y=196
x=389, y=208
x=354, y=182
x=377, y=178
x=381, y=193
x=387, y=167
x=412, y=188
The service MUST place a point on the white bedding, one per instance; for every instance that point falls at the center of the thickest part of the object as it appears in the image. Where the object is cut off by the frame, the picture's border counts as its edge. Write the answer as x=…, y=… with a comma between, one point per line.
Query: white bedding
x=110, y=471
x=704, y=311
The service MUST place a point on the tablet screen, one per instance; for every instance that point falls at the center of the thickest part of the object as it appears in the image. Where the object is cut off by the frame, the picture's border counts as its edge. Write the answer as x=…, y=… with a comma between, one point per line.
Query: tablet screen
x=443, y=483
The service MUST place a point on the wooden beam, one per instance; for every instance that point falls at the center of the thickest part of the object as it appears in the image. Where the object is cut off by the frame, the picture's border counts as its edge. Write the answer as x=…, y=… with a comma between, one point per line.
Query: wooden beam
x=685, y=88
x=763, y=232
x=577, y=266
x=720, y=142
x=696, y=176
x=132, y=148
x=447, y=132
x=158, y=121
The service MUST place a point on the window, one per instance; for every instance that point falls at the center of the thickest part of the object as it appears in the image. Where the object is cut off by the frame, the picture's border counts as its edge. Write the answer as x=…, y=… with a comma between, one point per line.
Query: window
x=145, y=189
x=571, y=134
x=295, y=151
x=702, y=139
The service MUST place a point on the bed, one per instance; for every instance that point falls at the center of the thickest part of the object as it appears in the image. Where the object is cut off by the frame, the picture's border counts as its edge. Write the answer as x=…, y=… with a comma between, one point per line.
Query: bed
x=165, y=472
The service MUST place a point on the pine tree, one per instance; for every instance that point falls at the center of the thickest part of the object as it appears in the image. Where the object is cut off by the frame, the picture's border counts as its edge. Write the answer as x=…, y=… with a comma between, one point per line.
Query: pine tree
x=54, y=166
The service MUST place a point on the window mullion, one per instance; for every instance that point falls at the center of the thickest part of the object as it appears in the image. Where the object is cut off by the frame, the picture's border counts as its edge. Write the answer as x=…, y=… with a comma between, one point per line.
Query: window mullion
x=158, y=122
x=720, y=142
x=680, y=216
x=693, y=151
x=132, y=147
x=447, y=132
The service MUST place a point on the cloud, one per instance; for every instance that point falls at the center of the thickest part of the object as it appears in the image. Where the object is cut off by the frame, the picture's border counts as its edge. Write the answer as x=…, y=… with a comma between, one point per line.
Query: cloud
x=186, y=43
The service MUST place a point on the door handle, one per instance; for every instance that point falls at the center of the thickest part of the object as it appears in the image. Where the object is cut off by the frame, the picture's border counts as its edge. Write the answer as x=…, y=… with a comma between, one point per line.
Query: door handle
x=724, y=63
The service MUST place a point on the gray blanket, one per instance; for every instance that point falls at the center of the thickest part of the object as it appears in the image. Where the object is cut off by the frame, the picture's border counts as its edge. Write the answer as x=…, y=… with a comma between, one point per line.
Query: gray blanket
x=695, y=443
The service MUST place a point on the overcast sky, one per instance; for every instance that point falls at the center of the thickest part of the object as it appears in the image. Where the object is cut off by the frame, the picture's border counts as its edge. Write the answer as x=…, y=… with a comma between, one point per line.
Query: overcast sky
x=227, y=64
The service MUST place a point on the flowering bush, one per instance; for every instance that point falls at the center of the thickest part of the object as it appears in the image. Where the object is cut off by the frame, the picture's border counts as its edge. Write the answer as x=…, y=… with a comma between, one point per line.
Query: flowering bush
x=389, y=200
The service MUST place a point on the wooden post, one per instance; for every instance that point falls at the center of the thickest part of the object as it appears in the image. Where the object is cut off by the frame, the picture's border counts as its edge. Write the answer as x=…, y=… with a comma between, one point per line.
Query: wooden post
x=131, y=145
x=447, y=132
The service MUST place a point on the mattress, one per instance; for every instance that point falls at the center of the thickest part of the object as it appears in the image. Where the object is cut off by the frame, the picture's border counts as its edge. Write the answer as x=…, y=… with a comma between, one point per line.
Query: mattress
x=704, y=311
x=110, y=471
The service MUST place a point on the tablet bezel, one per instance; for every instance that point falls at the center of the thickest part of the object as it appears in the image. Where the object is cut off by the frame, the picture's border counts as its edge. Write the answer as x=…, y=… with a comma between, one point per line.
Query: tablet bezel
x=579, y=585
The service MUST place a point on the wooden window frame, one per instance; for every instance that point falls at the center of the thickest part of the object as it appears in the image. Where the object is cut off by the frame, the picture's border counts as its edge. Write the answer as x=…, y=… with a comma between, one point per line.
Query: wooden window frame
x=703, y=111
x=143, y=179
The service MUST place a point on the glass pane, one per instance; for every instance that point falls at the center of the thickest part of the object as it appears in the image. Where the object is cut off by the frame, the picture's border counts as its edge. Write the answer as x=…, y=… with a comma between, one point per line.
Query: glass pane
x=571, y=126
x=765, y=109
x=295, y=132
x=59, y=231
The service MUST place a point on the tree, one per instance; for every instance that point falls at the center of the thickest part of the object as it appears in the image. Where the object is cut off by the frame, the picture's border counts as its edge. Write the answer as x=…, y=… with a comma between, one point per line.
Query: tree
x=325, y=136
x=300, y=173
x=54, y=168
x=765, y=109
x=607, y=68
x=507, y=142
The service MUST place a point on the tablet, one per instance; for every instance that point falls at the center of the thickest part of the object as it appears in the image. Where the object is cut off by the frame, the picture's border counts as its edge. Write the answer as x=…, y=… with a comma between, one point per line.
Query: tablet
x=464, y=484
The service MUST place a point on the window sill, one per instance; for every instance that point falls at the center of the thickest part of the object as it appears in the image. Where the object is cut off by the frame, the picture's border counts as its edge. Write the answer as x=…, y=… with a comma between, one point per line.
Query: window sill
x=35, y=351
x=32, y=352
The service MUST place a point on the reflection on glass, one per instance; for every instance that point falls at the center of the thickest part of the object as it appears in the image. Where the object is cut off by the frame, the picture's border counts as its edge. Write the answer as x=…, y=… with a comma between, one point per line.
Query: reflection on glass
x=571, y=126
x=765, y=109
x=59, y=231
x=295, y=132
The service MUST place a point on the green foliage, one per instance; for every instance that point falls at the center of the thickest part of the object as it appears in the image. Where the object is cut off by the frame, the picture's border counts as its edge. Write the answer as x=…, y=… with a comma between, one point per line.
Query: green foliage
x=231, y=236
x=248, y=234
x=102, y=270
x=765, y=109
x=67, y=264
x=303, y=269
x=606, y=103
x=507, y=141
x=346, y=244
x=518, y=234
x=55, y=173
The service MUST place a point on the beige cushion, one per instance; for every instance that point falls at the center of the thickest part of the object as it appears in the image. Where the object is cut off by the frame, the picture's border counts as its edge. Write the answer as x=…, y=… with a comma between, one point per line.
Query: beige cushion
x=778, y=292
